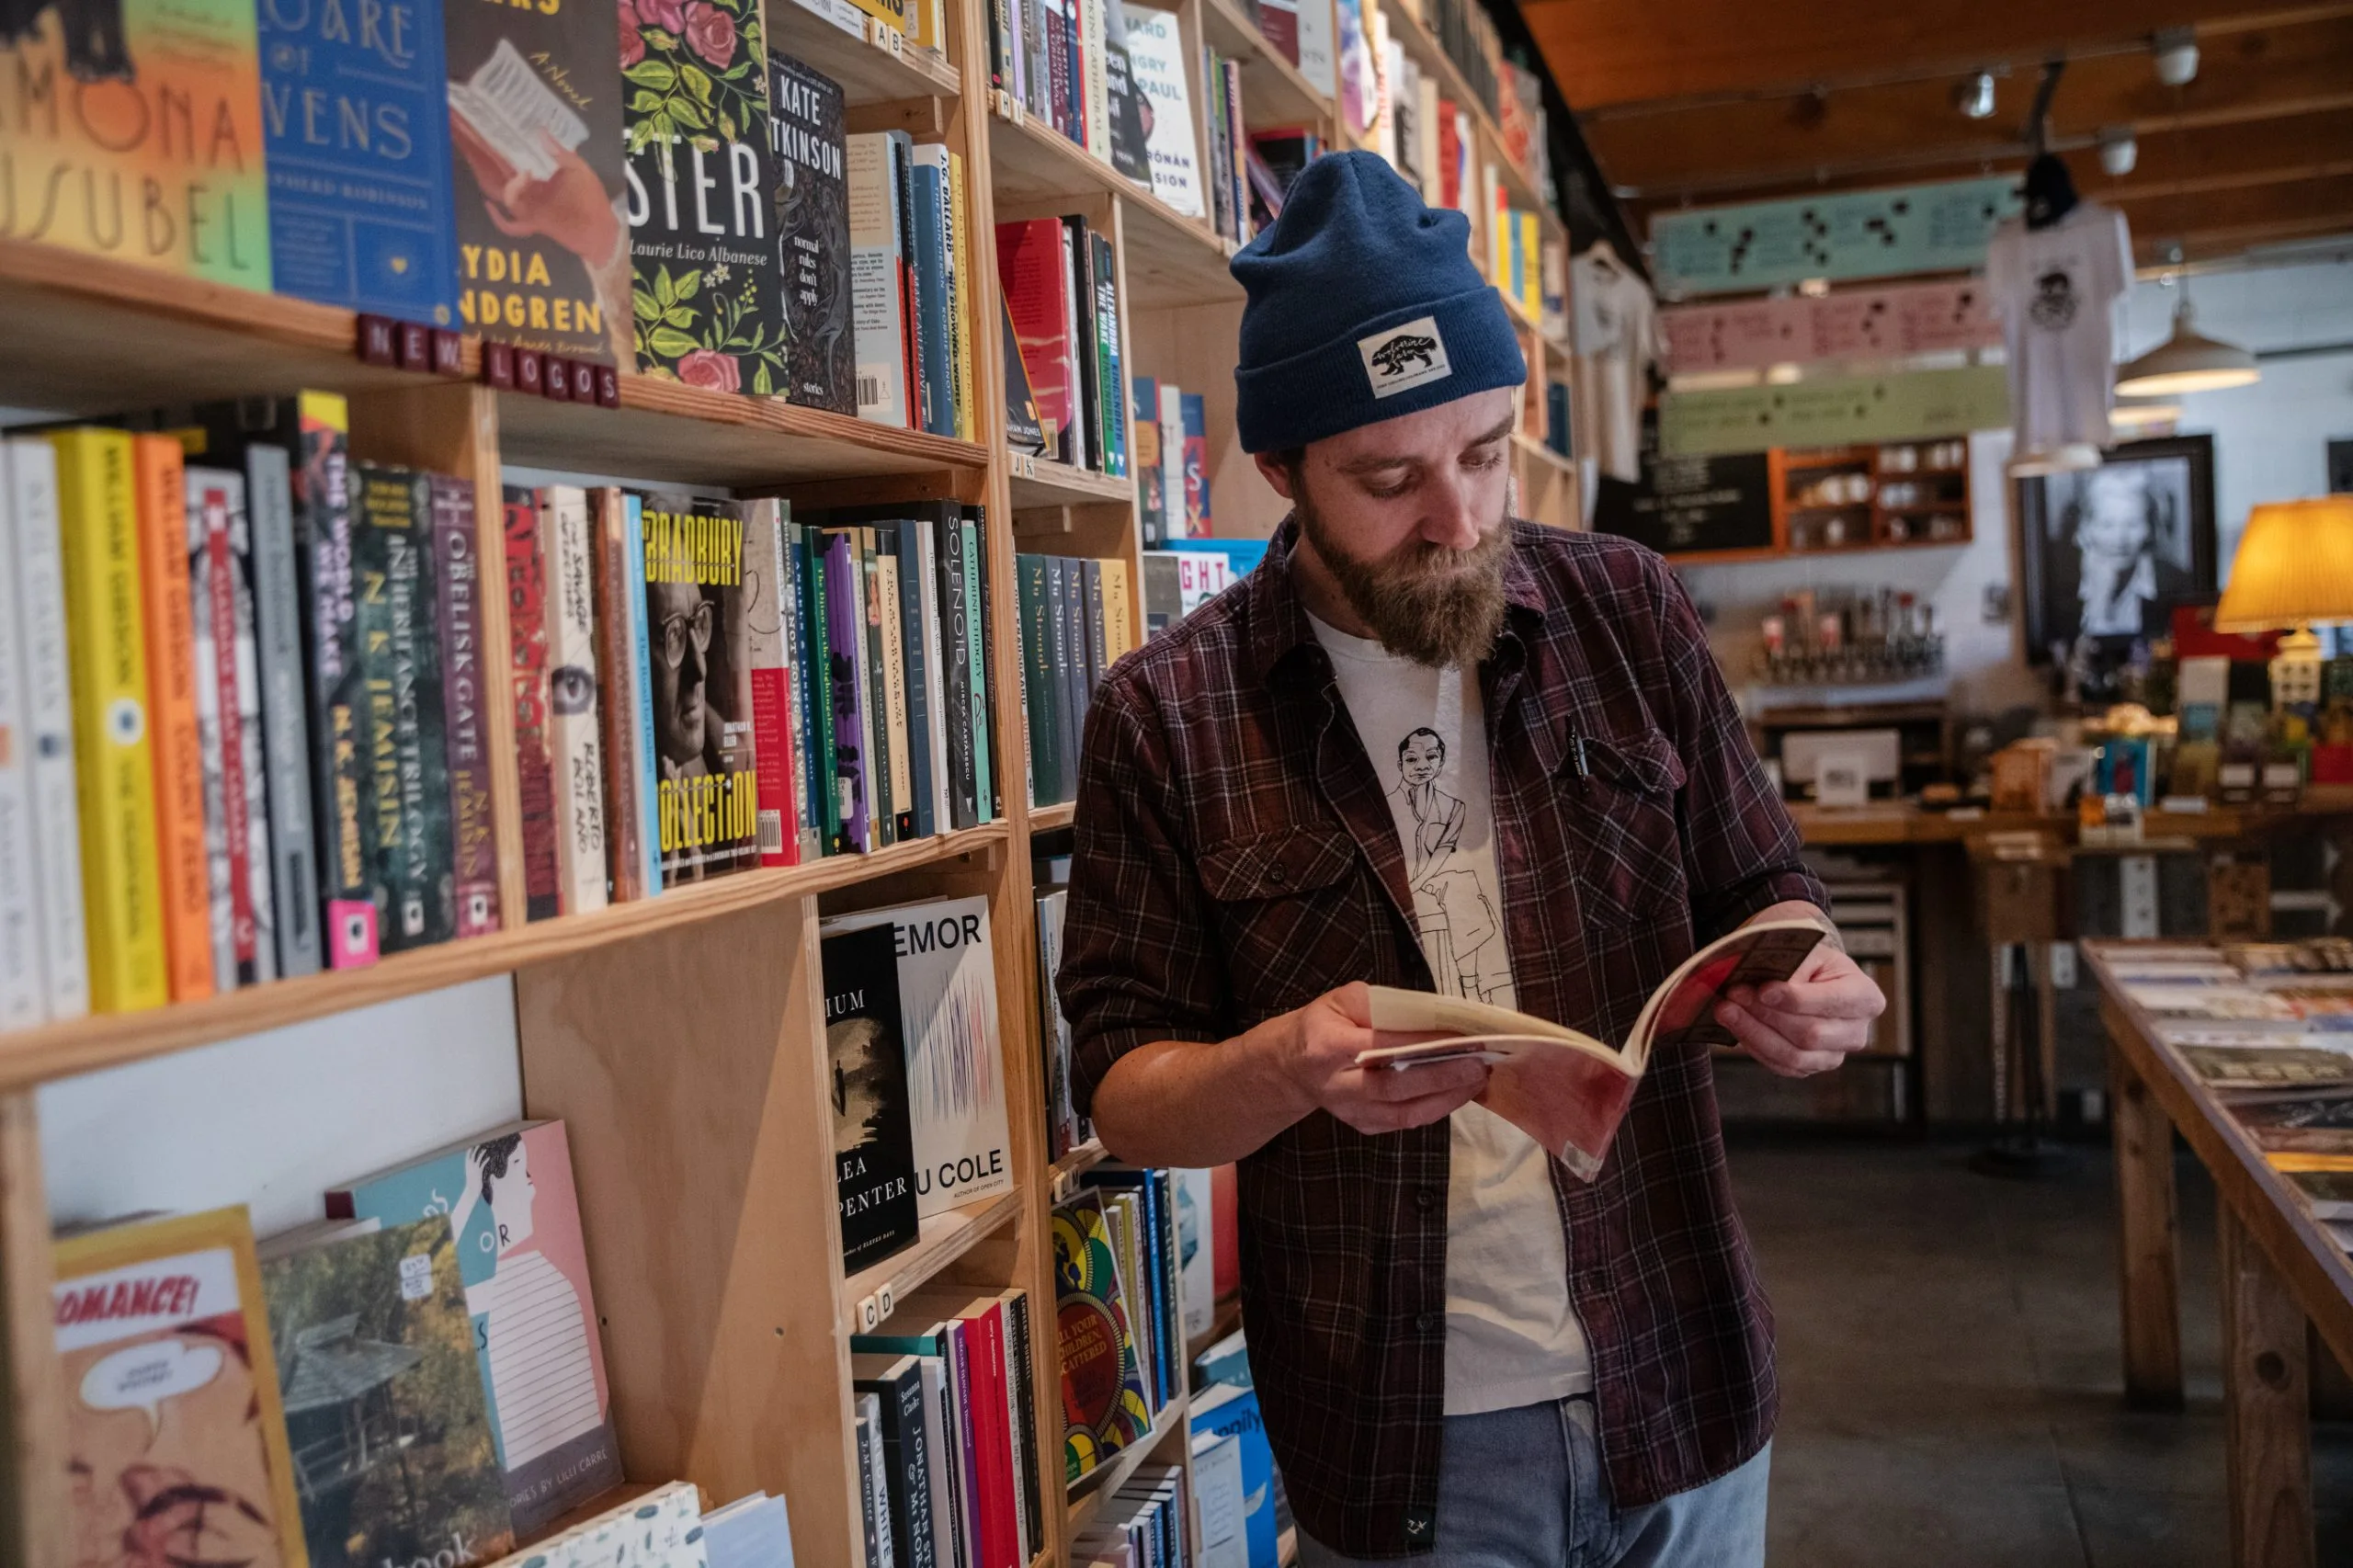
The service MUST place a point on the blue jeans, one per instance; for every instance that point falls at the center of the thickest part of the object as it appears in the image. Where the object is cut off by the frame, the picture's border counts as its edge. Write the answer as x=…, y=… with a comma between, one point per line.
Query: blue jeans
x=1524, y=1489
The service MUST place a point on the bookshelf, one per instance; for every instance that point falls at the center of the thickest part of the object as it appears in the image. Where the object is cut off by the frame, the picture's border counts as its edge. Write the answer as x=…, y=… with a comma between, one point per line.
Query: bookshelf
x=698, y=1107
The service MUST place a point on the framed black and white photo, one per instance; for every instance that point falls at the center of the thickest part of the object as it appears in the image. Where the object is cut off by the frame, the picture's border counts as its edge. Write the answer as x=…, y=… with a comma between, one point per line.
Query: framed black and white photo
x=2110, y=550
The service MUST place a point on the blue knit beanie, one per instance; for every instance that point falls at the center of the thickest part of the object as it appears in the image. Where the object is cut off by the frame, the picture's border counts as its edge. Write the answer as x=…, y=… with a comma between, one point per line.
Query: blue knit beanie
x=1363, y=305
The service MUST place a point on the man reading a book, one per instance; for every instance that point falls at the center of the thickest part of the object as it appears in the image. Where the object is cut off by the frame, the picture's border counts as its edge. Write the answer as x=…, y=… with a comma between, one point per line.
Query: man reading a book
x=1427, y=745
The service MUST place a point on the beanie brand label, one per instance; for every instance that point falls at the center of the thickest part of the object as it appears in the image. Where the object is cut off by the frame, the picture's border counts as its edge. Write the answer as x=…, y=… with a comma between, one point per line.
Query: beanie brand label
x=1398, y=358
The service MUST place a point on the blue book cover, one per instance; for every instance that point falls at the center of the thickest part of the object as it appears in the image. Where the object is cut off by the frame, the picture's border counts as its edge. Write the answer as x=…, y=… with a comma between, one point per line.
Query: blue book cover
x=649, y=767
x=1227, y=1410
x=355, y=132
x=930, y=182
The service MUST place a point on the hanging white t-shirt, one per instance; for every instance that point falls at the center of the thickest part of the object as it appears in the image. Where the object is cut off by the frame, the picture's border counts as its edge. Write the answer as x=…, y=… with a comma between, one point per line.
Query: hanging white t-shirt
x=1616, y=335
x=1512, y=1338
x=2055, y=291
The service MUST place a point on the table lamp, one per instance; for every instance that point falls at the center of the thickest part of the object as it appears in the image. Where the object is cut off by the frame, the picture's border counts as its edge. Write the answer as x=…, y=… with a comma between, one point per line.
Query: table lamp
x=2295, y=567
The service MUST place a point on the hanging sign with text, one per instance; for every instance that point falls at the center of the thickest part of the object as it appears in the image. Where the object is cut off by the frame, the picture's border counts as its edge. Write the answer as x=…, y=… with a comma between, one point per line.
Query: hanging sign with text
x=1837, y=411
x=1861, y=324
x=1849, y=234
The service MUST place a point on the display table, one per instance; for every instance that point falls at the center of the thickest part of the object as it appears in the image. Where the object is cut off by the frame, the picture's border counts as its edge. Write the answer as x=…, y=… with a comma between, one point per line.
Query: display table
x=2278, y=1268
x=1900, y=821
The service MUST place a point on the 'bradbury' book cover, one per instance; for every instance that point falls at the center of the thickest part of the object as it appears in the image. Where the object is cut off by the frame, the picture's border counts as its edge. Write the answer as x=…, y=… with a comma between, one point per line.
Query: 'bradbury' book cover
x=699, y=682
x=173, y=1430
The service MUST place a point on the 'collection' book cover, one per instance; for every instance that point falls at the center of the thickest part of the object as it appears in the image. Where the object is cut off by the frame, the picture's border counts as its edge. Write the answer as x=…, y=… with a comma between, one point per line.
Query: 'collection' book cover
x=873, y=1152
x=511, y=1205
x=173, y=1431
x=698, y=678
x=535, y=117
x=809, y=143
x=394, y=1457
x=135, y=132
x=700, y=195
x=358, y=152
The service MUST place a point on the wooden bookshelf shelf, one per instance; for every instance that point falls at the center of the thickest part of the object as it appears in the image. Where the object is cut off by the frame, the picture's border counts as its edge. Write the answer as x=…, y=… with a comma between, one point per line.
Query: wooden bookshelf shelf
x=1274, y=94
x=1076, y=1163
x=1045, y=819
x=868, y=73
x=1433, y=60
x=1040, y=482
x=1104, y=1479
x=1537, y=450
x=943, y=1239
x=86, y=1045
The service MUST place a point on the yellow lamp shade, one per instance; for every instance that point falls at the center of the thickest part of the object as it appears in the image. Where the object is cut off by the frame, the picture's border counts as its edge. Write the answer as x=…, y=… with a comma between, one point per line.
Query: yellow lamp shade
x=2294, y=567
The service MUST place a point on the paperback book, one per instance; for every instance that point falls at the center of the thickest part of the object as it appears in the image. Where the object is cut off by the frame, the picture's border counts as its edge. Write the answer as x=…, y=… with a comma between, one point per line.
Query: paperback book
x=527, y=639
x=865, y=1046
x=699, y=682
x=808, y=148
x=1104, y=1408
x=473, y=832
x=228, y=712
x=1565, y=1089
x=406, y=790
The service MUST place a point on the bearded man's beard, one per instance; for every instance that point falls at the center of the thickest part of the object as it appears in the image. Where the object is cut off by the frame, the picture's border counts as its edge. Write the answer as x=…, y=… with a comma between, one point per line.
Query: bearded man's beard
x=1436, y=606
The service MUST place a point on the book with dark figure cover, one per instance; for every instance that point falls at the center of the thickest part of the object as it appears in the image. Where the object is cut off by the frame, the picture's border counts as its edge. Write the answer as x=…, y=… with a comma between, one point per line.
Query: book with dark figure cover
x=844, y=637
x=866, y=1051
x=808, y=141
x=405, y=766
x=700, y=199
x=697, y=672
x=394, y=1458
x=535, y=119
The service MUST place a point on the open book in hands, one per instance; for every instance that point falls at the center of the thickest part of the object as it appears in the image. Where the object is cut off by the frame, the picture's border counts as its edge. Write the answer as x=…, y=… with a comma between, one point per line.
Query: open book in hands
x=1568, y=1090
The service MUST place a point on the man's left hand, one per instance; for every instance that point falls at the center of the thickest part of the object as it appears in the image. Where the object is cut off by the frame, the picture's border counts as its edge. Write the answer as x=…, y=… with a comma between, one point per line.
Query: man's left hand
x=1810, y=1022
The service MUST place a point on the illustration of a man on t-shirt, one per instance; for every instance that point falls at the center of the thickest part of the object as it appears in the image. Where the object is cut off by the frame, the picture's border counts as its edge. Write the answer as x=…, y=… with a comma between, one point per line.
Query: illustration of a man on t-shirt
x=1451, y=908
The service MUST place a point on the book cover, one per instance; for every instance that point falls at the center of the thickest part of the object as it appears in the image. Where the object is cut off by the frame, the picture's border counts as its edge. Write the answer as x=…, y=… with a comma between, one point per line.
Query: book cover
x=173, y=1431
x=1037, y=676
x=527, y=644
x=24, y=999
x=886, y=611
x=1023, y=432
x=878, y=256
x=535, y=120
x=808, y=147
x=1111, y=409
x=509, y=1201
x=895, y=1382
x=955, y=1073
x=37, y=624
x=160, y=161
x=1118, y=610
x=1103, y=1398
x=1317, y=59
x=574, y=753
x=873, y=1148
x=1195, y=1251
x=845, y=643
x=936, y=367
x=406, y=777
x=1126, y=114
x=356, y=126
x=707, y=307
x=457, y=562
x=182, y=856
x=874, y=1507
x=1086, y=387
x=113, y=763
x=1151, y=490
x=977, y=1329
x=1164, y=591
x=699, y=681
x=1036, y=290
x=228, y=708
x=393, y=1456
x=660, y=1528
x=817, y=614
x=285, y=812
x=1229, y=1411
x=620, y=603
x=769, y=616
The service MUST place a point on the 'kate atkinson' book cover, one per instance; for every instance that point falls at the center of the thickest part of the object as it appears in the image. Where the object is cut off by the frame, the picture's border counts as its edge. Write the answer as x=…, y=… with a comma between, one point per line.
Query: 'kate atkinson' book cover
x=700, y=196
x=394, y=1457
x=1103, y=1403
x=535, y=117
x=173, y=1430
x=955, y=1078
x=358, y=141
x=405, y=771
x=510, y=1202
x=698, y=679
x=873, y=1151
x=135, y=131
x=808, y=147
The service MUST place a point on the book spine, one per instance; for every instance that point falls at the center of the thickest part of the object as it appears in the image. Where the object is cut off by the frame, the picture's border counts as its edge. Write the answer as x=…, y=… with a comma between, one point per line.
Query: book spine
x=956, y=630
x=986, y=569
x=870, y=1508
x=925, y=542
x=170, y=624
x=931, y=290
x=323, y=544
x=910, y=297
x=875, y=253
x=960, y=288
x=772, y=728
x=649, y=771
x=23, y=991
x=1021, y=1377
x=890, y=612
x=217, y=536
x=527, y=639
x=874, y=696
x=1119, y=611
x=1070, y=658
x=809, y=694
x=1037, y=678
x=1098, y=59
x=1108, y=379
x=976, y=642
x=1087, y=385
x=114, y=765
x=817, y=611
x=947, y=1520
x=1091, y=603
x=844, y=637
x=997, y=1495
x=962, y=1338
x=401, y=666
x=285, y=719
x=49, y=702
x=617, y=677
x=1058, y=72
x=574, y=752
x=457, y=561
x=922, y=667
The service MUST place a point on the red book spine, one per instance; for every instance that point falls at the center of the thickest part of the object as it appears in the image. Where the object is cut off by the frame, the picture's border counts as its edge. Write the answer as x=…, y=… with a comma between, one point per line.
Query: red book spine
x=527, y=630
x=772, y=744
x=999, y=1542
x=220, y=587
x=1030, y=268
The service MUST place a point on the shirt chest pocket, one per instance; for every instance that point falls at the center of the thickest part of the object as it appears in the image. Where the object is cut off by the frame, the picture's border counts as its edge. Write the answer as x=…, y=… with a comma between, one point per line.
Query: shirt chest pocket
x=1290, y=910
x=1618, y=799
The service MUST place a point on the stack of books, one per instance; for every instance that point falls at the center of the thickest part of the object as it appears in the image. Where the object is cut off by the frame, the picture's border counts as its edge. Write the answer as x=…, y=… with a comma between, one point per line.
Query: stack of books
x=1077, y=620
x=1062, y=297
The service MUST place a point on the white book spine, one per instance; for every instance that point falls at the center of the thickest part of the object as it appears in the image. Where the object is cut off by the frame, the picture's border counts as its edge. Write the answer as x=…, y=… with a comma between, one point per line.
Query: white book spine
x=876, y=255
x=939, y=1426
x=572, y=743
x=1098, y=99
x=1172, y=461
x=56, y=817
x=23, y=991
x=1318, y=60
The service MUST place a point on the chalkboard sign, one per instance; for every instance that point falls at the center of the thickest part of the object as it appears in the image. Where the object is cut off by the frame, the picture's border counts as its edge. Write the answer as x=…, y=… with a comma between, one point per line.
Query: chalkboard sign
x=1684, y=506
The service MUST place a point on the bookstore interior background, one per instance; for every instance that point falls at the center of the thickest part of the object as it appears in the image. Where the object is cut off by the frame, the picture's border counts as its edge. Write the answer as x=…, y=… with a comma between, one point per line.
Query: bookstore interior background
x=552, y=562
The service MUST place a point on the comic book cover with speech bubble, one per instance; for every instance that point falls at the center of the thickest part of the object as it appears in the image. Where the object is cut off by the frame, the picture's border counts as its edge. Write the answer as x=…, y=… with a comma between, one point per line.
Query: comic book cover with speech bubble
x=174, y=1428
x=1568, y=1090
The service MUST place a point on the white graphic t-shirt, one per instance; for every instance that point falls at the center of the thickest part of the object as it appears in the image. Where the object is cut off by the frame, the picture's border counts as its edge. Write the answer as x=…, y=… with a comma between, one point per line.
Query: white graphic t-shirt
x=1512, y=1338
x=2055, y=290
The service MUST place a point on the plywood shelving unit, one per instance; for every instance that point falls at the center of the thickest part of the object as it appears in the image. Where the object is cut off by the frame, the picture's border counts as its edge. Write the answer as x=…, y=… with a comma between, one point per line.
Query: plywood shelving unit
x=699, y=1113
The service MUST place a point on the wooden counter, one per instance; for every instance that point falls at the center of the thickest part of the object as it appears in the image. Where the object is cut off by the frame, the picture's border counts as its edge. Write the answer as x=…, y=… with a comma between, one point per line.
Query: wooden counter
x=1899, y=823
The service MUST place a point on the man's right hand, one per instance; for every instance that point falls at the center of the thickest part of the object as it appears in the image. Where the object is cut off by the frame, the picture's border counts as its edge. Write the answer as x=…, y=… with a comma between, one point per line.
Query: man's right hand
x=1317, y=1046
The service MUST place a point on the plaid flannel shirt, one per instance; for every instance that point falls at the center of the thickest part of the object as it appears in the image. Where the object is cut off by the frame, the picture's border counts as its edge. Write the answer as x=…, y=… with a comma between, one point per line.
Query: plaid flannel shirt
x=1236, y=858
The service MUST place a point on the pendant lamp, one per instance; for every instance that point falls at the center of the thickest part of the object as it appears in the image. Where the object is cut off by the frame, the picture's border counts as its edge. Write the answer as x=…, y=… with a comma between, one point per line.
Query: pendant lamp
x=2186, y=362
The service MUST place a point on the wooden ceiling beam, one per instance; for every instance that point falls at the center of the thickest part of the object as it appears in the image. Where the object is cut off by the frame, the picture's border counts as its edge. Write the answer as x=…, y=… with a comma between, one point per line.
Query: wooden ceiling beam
x=1605, y=53
x=2245, y=216
x=1911, y=131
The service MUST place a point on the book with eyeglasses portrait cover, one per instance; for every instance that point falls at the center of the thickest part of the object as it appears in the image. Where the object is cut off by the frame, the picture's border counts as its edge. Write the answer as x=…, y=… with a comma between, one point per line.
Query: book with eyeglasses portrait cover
x=1566, y=1089
x=698, y=674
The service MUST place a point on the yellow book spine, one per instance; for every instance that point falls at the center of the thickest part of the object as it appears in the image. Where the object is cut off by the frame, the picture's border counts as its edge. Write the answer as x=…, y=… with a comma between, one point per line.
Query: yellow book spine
x=113, y=758
x=1118, y=618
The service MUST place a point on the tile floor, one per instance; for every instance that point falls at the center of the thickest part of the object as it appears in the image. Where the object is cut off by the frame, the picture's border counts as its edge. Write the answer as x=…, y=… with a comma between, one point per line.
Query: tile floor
x=1951, y=1393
